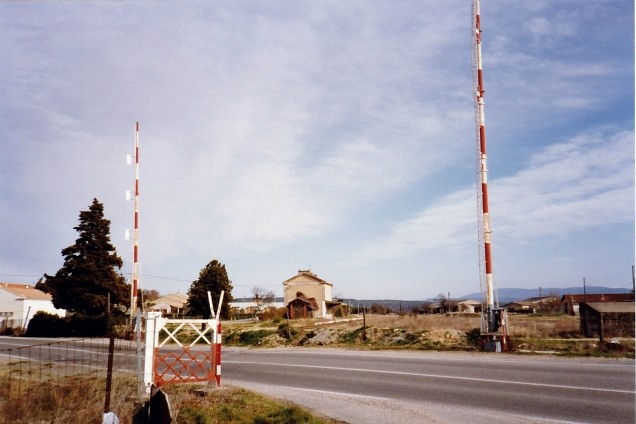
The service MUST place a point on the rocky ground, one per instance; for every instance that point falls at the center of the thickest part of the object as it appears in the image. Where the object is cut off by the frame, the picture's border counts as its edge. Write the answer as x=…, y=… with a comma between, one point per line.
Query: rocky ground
x=348, y=335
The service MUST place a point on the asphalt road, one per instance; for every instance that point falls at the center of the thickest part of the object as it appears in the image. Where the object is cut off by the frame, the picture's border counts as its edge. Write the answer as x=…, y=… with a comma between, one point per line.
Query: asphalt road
x=386, y=387
x=410, y=387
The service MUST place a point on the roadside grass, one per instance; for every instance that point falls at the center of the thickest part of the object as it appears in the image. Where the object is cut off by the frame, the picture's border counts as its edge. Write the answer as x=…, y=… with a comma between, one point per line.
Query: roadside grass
x=60, y=400
x=80, y=399
x=234, y=405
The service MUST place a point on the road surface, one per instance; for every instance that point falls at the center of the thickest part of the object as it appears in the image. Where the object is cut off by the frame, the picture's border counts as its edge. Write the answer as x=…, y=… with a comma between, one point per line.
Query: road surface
x=406, y=386
x=439, y=387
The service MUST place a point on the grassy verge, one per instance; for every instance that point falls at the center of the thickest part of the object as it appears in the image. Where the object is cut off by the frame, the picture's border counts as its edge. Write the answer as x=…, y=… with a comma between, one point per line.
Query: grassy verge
x=81, y=400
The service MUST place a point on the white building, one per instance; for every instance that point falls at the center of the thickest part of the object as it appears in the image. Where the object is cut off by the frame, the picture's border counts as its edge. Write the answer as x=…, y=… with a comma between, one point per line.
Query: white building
x=19, y=302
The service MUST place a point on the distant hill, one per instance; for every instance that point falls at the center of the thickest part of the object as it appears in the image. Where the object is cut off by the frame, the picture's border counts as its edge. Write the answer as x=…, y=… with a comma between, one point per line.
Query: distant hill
x=504, y=295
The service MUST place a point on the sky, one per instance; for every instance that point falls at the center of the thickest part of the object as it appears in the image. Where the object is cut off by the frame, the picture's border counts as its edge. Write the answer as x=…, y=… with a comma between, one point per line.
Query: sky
x=336, y=136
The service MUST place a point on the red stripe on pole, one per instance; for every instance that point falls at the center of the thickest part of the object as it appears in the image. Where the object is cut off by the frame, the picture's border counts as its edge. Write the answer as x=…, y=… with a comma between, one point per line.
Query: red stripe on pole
x=484, y=195
x=480, y=83
x=135, y=254
x=487, y=258
x=136, y=220
x=482, y=139
x=217, y=368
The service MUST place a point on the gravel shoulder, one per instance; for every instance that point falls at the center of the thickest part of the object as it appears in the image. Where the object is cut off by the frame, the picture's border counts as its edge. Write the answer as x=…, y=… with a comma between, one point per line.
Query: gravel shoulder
x=355, y=409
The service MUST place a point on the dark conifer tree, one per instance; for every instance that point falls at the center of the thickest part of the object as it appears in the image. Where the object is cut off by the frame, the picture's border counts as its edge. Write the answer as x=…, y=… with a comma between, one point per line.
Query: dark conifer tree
x=90, y=270
x=212, y=278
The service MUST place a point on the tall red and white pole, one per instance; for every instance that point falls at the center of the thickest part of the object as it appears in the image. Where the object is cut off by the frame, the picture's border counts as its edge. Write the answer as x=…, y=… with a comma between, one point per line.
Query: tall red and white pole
x=494, y=323
x=483, y=167
x=135, y=271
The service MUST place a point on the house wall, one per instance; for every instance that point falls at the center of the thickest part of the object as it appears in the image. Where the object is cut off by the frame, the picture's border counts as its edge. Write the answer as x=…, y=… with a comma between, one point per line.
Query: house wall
x=590, y=322
x=310, y=288
x=613, y=324
x=17, y=312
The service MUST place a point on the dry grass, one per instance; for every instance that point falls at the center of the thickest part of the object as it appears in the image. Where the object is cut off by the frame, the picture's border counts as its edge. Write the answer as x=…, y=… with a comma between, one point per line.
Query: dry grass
x=413, y=323
x=80, y=399
x=60, y=401
x=519, y=325
x=458, y=331
x=560, y=326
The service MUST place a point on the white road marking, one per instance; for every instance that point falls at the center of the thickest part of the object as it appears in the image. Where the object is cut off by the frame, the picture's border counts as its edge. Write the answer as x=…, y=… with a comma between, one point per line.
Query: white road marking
x=447, y=377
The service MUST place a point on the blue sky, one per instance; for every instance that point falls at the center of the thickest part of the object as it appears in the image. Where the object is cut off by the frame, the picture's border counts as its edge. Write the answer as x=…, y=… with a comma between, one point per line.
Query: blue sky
x=337, y=136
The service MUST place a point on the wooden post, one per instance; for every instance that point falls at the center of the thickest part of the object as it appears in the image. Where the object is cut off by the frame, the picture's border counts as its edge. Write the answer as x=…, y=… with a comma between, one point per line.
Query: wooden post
x=109, y=373
x=364, y=325
x=601, y=330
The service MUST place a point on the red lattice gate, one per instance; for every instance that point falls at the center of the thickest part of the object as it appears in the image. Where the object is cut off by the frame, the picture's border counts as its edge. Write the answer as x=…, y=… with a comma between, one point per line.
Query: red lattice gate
x=182, y=350
x=177, y=362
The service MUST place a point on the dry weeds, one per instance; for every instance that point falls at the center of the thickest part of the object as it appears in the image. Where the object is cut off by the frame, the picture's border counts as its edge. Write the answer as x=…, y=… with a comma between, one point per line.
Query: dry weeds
x=458, y=331
x=80, y=399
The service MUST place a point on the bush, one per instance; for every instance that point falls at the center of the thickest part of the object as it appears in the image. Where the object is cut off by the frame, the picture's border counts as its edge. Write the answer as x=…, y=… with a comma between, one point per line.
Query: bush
x=48, y=325
x=474, y=336
x=286, y=331
x=246, y=338
x=275, y=315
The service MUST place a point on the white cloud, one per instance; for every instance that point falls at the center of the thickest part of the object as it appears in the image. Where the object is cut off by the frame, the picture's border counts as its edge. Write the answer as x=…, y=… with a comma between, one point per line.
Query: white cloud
x=581, y=183
x=578, y=184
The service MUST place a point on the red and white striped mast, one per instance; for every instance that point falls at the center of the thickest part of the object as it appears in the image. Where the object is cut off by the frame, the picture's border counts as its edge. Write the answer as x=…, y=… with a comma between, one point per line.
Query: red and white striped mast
x=494, y=319
x=135, y=269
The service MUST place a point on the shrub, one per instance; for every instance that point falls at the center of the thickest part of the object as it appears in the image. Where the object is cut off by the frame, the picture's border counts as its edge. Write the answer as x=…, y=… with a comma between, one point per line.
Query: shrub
x=48, y=325
x=275, y=315
x=253, y=337
x=286, y=331
x=473, y=336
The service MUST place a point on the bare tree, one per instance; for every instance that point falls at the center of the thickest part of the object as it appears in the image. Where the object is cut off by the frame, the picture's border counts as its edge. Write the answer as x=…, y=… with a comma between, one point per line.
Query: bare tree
x=262, y=298
x=446, y=303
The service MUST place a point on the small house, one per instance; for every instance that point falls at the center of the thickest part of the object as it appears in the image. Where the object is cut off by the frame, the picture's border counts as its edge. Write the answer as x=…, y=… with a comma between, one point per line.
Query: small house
x=571, y=301
x=308, y=296
x=20, y=302
x=469, y=306
x=607, y=319
x=521, y=307
x=173, y=303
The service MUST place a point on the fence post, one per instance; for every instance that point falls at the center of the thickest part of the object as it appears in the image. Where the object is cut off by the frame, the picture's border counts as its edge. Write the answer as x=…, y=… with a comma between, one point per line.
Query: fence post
x=109, y=372
x=151, y=341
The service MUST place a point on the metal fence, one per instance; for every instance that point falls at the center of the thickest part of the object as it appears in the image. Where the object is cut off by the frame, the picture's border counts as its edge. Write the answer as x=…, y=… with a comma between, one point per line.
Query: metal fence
x=26, y=370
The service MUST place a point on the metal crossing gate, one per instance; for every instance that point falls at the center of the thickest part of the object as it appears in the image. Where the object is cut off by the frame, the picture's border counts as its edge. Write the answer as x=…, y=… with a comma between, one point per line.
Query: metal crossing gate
x=182, y=350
